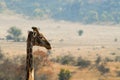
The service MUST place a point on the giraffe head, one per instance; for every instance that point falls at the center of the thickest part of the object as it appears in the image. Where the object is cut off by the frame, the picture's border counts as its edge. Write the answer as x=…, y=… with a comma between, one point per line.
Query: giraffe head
x=39, y=39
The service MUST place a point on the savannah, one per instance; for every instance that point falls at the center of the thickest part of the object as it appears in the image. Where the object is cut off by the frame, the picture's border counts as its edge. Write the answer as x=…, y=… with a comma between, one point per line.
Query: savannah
x=79, y=51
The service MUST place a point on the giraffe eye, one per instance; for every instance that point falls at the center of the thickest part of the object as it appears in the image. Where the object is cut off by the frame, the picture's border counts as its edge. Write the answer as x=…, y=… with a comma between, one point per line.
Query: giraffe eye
x=41, y=37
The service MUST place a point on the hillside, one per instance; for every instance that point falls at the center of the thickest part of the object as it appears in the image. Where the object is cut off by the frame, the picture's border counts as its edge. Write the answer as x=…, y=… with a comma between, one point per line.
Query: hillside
x=83, y=11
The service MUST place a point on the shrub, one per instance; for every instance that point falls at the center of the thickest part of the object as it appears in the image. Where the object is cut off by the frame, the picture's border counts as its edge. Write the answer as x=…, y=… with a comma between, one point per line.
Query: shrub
x=113, y=53
x=1, y=54
x=108, y=60
x=80, y=32
x=115, y=40
x=41, y=58
x=67, y=59
x=98, y=60
x=117, y=58
x=61, y=40
x=9, y=37
x=118, y=73
x=103, y=47
x=15, y=68
x=64, y=74
x=57, y=59
x=11, y=71
x=83, y=63
x=103, y=69
x=42, y=65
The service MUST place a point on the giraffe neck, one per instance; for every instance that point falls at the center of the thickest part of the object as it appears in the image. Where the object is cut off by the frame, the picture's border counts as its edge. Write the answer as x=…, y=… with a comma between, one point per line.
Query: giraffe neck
x=29, y=48
x=29, y=59
x=30, y=43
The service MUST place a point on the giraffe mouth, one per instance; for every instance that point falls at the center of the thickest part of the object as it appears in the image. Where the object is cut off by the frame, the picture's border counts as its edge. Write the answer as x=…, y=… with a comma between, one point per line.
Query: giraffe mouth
x=48, y=47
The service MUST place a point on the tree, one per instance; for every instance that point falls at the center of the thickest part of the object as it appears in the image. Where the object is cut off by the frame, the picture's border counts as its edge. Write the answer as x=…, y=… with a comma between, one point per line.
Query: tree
x=14, y=33
x=80, y=32
x=9, y=37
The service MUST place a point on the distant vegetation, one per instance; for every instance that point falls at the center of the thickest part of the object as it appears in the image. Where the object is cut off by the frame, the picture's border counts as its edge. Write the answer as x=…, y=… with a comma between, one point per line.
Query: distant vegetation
x=117, y=58
x=83, y=11
x=80, y=32
x=71, y=60
x=1, y=55
x=103, y=69
x=66, y=60
x=14, y=34
x=83, y=63
x=118, y=73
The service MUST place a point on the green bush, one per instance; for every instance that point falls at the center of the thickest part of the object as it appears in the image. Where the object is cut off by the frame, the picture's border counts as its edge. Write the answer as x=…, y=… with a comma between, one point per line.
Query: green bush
x=1, y=54
x=117, y=58
x=56, y=59
x=113, y=53
x=98, y=60
x=118, y=73
x=64, y=74
x=66, y=59
x=80, y=32
x=108, y=59
x=103, y=69
x=115, y=40
x=83, y=63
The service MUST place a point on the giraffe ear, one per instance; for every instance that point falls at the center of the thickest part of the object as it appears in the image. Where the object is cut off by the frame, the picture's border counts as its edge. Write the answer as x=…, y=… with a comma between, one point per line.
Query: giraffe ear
x=34, y=28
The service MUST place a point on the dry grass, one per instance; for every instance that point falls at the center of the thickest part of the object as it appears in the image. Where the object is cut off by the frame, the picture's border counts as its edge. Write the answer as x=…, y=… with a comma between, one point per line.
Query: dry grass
x=95, y=41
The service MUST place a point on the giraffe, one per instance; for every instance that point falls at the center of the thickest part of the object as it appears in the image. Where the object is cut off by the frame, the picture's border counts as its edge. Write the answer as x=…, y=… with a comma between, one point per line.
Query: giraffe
x=34, y=39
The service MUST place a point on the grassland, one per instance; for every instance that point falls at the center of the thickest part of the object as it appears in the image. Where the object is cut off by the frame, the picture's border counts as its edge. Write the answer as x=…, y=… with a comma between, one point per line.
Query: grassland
x=97, y=40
